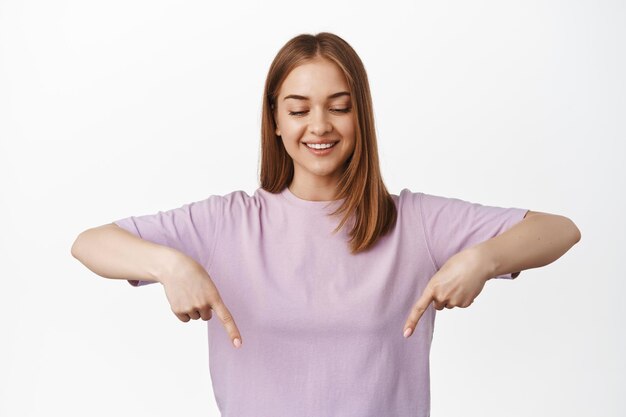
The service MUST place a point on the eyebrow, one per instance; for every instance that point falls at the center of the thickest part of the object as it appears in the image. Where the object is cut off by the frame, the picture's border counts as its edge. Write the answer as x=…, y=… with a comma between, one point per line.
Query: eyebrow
x=298, y=97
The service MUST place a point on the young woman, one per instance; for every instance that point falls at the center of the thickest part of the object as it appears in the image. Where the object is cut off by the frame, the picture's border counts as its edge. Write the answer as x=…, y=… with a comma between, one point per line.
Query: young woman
x=322, y=268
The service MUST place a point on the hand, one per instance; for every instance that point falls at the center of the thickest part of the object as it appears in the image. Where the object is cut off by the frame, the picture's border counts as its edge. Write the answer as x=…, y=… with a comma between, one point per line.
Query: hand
x=457, y=283
x=192, y=295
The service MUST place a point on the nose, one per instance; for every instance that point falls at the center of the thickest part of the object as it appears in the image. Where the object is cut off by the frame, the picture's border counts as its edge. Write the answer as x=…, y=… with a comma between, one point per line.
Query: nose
x=319, y=123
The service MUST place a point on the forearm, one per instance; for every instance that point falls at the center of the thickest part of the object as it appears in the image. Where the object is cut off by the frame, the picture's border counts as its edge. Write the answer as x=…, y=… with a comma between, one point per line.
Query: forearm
x=533, y=242
x=113, y=252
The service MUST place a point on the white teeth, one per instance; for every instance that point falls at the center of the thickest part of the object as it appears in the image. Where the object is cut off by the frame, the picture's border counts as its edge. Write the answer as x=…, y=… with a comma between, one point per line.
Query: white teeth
x=320, y=146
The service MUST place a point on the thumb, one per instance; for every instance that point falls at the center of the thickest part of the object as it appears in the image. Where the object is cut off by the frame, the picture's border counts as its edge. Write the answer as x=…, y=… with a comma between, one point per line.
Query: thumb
x=229, y=323
x=418, y=309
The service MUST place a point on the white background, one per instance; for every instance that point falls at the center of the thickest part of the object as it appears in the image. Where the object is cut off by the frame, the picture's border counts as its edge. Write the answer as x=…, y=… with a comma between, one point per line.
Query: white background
x=119, y=108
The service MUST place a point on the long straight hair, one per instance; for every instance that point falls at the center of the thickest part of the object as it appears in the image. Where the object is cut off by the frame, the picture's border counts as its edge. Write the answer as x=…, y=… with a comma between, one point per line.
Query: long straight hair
x=368, y=205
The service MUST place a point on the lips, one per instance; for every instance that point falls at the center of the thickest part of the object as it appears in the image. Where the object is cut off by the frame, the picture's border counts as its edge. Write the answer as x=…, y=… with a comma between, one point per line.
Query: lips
x=322, y=143
x=321, y=152
x=332, y=145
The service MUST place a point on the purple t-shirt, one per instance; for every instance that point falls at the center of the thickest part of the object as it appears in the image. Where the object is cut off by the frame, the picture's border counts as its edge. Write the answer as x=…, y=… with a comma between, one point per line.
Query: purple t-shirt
x=322, y=328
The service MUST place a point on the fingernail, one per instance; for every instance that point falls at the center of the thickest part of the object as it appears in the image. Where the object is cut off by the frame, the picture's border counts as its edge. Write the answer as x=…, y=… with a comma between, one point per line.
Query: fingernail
x=407, y=332
x=237, y=342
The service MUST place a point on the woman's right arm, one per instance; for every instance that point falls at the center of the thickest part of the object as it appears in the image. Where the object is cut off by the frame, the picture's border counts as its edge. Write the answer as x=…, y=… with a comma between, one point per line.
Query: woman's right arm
x=115, y=253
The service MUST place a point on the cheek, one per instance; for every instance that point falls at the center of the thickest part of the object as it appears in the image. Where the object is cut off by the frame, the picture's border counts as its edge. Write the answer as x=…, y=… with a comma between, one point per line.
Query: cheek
x=347, y=130
x=291, y=128
x=346, y=124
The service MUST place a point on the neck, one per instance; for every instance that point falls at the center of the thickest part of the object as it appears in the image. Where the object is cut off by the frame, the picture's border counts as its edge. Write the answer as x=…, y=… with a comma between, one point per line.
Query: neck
x=321, y=191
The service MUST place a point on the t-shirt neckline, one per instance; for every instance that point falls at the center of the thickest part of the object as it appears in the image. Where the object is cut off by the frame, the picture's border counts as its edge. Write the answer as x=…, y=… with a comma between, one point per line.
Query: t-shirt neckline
x=317, y=205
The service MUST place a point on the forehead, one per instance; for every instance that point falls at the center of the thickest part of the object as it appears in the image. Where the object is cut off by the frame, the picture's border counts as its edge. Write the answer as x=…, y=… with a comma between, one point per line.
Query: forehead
x=318, y=77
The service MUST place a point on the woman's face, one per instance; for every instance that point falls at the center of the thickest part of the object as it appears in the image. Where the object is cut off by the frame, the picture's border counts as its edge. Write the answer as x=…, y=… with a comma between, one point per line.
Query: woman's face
x=314, y=105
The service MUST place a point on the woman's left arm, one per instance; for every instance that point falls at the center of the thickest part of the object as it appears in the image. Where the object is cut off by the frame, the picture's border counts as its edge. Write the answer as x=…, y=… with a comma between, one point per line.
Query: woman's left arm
x=537, y=240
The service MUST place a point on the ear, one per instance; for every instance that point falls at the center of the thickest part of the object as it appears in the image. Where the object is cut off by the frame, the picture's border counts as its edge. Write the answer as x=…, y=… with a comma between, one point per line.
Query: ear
x=275, y=121
x=277, y=130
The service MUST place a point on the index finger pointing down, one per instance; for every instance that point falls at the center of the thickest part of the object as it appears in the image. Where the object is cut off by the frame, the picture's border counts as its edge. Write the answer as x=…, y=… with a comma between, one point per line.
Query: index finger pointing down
x=229, y=323
x=416, y=312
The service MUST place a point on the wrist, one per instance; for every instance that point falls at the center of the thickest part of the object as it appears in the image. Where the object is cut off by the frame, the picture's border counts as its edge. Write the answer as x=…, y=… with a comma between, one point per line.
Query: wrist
x=484, y=263
x=167, y=261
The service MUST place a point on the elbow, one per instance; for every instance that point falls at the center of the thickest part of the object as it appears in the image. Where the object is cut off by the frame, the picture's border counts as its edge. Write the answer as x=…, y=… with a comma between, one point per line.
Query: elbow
x=74, y=248
x=575, y=231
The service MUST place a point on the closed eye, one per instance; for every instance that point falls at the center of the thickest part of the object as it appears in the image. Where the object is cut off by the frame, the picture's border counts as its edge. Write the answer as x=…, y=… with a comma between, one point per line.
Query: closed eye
x=300, y=113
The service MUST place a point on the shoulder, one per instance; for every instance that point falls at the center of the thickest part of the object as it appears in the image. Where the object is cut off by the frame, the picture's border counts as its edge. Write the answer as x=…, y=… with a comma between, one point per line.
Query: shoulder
x=240, y=201
x=409, y=199
x=233, y=197
x=426, y=201
x=406, y=195
x=426, y=205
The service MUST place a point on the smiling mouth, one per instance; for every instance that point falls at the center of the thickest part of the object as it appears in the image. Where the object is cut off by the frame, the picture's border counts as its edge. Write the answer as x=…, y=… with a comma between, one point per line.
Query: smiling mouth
x=325, y=142
x=321, y=151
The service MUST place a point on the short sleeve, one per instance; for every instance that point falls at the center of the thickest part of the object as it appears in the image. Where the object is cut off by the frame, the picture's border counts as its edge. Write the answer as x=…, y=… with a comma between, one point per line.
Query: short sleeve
x=192, y=229
x=451, y=225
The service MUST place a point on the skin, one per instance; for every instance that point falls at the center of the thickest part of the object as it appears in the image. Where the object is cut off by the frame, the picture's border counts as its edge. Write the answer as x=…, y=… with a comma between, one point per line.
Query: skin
x=318, y=118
